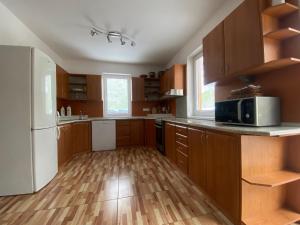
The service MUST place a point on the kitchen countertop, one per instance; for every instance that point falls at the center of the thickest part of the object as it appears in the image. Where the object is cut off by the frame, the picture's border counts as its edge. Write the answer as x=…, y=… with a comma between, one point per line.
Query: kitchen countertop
x=63, y=122
x=283, y=130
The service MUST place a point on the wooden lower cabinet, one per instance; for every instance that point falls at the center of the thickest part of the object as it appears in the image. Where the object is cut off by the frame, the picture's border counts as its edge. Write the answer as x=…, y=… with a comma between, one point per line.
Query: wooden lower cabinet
x=64, y=144
x=197, y=157
x=150, y=133
x=223, y=173
x=81, y=137
x=170, y=142
x=130, y=133
x=137, y=137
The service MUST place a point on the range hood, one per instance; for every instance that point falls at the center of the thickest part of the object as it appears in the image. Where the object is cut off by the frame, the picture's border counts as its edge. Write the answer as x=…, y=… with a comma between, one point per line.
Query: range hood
x=173, y=93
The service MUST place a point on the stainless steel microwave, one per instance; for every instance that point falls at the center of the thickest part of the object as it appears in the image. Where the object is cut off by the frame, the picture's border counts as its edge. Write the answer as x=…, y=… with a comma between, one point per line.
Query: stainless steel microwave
x=256, y=111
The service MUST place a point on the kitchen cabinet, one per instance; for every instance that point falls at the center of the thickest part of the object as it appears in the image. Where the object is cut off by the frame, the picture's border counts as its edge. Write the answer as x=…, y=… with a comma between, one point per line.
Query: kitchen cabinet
x=81, y=137
x=62, y=83
x=197, y=157
x=150, y=133
x=243, y=38
x=64, y=144
x=138, y=90
x=130, y=133
x=170, y=142
x=123, y=133
x=173, y=78
x=214, y=55
x=137, y=137
x=94, y=91
x=163, y=82
x=223, y=177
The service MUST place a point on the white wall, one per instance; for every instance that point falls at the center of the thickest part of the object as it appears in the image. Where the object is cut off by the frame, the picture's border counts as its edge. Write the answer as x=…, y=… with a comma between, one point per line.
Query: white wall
x=196, y=41
x=14, y=32
x=183, y=105
x=97, y=67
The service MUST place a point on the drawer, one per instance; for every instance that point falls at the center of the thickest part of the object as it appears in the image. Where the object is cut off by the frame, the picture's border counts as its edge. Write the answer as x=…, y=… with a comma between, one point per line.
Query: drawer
x=181, y=139
x=182, y=148
x=181, y=130
x=123, y=123
x=182, y=162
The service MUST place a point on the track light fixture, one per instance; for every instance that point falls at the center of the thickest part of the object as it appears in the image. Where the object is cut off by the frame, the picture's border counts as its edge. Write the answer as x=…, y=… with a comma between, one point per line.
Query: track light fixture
x=124, y=39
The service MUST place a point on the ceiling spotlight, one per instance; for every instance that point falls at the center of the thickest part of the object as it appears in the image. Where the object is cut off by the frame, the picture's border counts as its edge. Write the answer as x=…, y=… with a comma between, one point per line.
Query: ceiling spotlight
x=113, y=34
x=108, y=39
x=122, y=41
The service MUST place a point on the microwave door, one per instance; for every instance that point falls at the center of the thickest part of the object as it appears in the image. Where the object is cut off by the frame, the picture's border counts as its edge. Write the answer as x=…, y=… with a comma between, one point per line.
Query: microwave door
x=227, y=112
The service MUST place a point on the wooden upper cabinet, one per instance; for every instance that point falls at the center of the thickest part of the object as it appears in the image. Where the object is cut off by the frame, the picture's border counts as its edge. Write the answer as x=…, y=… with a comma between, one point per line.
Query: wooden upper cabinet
x=214, y=55
x=170, y=134
x=164, y=82
x=173, y=78
x=197, y=157
x=62, y=83
x=177, y=77
x=223, y=178
x=243, y=38
x=94, y=91
x=138, y=89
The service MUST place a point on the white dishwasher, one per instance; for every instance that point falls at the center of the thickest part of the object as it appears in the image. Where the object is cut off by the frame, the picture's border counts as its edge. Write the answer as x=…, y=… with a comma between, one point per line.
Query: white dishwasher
x=103, y=135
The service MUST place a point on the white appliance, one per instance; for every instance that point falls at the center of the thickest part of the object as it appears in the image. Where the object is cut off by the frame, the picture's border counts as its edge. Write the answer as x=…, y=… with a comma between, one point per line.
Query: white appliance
x=104, y=135
x=28, y=144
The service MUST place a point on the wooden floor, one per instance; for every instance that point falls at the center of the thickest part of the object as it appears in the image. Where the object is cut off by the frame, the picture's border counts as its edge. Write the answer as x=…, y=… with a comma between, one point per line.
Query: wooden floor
x=128, y=186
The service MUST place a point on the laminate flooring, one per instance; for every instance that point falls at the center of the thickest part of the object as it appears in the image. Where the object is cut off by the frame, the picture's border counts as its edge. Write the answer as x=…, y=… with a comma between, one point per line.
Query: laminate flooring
x=129, y=186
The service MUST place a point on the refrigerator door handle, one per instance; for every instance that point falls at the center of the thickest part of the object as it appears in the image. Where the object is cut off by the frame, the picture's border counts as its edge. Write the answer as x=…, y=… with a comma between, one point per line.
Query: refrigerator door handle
x=58, y=133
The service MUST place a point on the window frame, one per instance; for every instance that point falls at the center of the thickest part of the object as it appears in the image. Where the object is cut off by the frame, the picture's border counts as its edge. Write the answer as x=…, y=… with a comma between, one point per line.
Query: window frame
x=105, y=77
x=202, y=114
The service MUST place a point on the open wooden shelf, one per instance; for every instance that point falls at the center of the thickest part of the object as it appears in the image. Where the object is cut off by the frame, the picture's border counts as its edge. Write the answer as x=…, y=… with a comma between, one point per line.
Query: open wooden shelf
x=283, y=33
x=274, y=65
x=281, y=10
x=277, y=217
x=273, y=179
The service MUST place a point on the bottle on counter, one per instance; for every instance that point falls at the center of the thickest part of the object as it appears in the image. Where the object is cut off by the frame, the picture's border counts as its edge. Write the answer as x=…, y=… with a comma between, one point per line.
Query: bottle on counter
x=69, y=111
x=62, y=111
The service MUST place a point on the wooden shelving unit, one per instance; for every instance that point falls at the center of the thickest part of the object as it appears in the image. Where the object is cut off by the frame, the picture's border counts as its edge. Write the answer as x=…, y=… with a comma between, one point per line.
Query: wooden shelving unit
x=273, y=65
x=277, y=217
x=283, y=34
x=273, y=179
x=270, y=193
x=281, y=10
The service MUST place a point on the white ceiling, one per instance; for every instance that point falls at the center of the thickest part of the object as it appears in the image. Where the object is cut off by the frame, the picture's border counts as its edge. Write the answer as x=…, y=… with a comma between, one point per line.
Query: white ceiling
x=159, y=27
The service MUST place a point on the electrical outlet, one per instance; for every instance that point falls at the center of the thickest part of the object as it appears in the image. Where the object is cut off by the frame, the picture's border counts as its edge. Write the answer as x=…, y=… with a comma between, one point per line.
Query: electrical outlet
x=146, y=110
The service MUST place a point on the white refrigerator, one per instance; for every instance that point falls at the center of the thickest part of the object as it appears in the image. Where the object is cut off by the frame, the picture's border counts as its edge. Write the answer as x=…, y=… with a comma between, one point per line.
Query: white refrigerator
x=28, y=132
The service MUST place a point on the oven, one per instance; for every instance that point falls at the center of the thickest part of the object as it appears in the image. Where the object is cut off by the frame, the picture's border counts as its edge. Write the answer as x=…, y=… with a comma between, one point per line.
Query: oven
x=160, y=140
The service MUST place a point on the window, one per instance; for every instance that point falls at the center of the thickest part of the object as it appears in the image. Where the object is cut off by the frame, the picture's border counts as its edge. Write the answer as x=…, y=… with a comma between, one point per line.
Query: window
x=117, y=95
x=203, y=95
